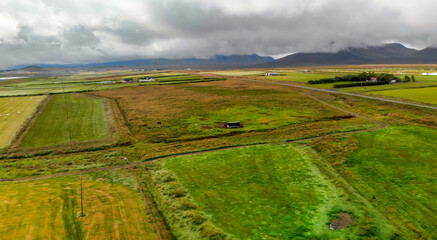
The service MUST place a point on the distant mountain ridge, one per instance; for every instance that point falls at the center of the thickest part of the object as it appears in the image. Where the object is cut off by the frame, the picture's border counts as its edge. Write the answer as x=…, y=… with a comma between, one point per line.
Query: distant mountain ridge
x=215, y=61
x=394, y=53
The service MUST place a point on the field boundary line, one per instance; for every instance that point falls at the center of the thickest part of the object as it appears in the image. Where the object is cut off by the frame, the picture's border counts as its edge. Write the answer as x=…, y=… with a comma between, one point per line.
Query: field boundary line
x=155, y=217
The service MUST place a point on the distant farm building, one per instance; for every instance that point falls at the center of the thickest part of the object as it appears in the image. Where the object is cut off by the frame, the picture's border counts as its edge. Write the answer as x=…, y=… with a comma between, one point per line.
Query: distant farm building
x=127, y=80
x=373, y=79
x=272, y=74
x=430, y=74
x=146, y=80
x=233, y=125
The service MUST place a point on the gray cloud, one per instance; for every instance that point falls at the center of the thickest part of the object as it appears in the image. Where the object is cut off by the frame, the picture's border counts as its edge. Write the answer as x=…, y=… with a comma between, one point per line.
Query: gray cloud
x=57, y=31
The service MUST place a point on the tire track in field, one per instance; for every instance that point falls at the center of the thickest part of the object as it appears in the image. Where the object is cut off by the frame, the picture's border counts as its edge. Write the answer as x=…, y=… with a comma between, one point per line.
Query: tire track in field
x=146, y=161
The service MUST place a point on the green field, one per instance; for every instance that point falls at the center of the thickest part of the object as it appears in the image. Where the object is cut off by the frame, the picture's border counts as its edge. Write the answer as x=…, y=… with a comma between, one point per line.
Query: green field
x=91, y=81
x=236, y=73
x=395, y=169
x=427, y=95
x=84, y=115
x=49, y=209
x=270, y=192
x=13, y=114
x=302, y=77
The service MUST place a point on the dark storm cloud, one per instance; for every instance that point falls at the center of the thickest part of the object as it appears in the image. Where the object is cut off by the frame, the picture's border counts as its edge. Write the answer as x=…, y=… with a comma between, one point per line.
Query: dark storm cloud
x=43, y=31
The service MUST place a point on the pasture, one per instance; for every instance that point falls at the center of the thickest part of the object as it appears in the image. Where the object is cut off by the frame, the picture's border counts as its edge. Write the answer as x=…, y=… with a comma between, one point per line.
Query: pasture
x=426, y=95
x=394, y=168
x=14, y=112
x=81, y=115
x=267, y=192
x=236, y=73
x=49, y=209
x=91, y=81
x=196, y=111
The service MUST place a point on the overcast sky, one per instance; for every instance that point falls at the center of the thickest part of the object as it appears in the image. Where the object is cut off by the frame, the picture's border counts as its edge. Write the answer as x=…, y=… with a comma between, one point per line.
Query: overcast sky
x=82, y=31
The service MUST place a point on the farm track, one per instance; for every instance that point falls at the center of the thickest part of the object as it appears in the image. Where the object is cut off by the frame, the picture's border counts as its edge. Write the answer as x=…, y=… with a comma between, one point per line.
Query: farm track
x=146, y=161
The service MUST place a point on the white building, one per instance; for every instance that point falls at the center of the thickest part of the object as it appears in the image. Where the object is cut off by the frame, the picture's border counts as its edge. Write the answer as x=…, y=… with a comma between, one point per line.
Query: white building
x=146, y=80
x=272, y=74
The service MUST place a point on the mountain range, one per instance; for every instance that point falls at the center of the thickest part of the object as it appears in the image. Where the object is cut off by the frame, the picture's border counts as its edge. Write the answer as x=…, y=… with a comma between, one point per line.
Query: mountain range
x=394, y=53
x=218, y=61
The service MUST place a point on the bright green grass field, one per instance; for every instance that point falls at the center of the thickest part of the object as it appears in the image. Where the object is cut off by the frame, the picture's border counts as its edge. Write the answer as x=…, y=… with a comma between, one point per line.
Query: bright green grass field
x=236, y=73
x=86, y=118
x=427, y=95
x=266, y=192
x=302, y=77
x=398, y=166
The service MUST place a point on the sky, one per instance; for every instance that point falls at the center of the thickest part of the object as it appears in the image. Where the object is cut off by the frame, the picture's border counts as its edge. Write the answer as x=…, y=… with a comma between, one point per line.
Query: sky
x=85, y=31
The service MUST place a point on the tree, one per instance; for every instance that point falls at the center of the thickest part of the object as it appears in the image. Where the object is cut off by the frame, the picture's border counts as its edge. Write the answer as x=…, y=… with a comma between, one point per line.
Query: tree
x=407, y=79
x=413, y=78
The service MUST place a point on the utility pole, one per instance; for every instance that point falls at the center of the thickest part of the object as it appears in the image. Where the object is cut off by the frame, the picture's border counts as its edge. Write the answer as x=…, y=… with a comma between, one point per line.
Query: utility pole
x=82, y=214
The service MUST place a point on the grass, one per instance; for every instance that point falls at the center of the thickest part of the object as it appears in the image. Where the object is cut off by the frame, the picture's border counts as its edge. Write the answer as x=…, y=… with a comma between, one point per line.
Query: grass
x=193, y=111
x=269, y=192
x=87, y=82
x=427, y=95
x=85, y=116
x=48, y=209
x=13, y=114
x=302, y=77
x=236, y=73
x=394, y=168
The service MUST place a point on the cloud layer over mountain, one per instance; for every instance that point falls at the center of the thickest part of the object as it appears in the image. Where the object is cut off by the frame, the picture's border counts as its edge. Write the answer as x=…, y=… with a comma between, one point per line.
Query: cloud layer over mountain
x=59, y=31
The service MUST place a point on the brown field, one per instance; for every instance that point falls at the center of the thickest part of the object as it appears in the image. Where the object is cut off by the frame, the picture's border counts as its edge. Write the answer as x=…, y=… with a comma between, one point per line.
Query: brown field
x=172, y=118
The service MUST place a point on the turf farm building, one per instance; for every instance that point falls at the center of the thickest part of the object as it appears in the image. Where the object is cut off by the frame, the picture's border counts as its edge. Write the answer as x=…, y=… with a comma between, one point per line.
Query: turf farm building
x=233, y=125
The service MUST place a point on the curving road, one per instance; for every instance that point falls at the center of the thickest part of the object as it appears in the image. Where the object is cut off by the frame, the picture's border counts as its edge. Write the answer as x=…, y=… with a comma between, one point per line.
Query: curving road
x=343, y=93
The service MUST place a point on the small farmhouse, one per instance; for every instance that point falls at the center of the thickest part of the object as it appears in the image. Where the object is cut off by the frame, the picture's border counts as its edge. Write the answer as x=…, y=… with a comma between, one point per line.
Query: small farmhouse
x=372, y=79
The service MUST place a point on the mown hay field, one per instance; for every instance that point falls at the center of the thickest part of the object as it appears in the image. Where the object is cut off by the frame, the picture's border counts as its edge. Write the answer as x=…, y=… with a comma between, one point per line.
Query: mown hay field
x=84, y=115
x=14, y=111
x=49, y=209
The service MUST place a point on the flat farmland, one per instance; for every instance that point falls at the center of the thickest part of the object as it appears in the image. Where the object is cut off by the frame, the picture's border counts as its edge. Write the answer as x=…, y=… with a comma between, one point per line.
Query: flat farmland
x=197, y=111
x=394, y=169
x=426, y=95
x=237, y=73
x=49, y=209
x=14, y=111
x=84, y=115
x=264, y=192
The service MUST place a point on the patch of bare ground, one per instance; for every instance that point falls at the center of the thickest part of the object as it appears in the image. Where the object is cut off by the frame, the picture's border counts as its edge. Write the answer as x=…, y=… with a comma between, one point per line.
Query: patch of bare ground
x=343, y=220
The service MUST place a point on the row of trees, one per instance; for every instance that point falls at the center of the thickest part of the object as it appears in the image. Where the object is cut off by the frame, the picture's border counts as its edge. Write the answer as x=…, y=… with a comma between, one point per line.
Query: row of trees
x=362, y=79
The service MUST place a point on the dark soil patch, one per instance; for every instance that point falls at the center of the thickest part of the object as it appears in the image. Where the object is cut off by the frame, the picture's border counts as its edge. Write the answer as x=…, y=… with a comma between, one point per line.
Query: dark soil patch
x=205, y=127
x=343, y=220
x=222, y=125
